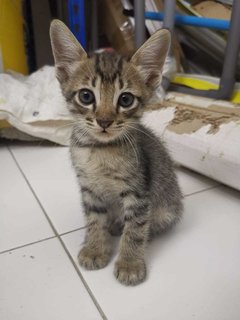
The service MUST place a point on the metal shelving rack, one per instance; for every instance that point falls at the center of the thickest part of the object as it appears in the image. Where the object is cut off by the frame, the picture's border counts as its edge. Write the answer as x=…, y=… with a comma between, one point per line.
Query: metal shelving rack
x=227, y=80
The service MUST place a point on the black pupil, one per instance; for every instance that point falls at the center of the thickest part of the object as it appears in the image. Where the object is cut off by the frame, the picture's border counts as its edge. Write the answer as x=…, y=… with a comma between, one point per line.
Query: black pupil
x=126, y=99
x=86, y=96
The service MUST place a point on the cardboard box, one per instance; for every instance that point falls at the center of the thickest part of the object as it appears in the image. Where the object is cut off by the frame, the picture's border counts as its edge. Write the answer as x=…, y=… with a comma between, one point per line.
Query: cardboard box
x=117, y=27
x=212, y=9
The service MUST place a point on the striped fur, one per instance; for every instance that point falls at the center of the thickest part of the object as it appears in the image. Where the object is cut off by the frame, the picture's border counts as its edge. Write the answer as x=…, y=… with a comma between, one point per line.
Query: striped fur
x=125, y=174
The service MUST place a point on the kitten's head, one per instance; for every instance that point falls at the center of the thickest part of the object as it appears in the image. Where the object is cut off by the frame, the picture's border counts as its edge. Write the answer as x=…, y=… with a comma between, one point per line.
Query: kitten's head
x=106, y=93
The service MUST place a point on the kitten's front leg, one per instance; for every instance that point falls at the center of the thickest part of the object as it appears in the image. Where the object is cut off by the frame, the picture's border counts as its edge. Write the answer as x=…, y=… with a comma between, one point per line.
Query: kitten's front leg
x=130, y=268
x=97, y=248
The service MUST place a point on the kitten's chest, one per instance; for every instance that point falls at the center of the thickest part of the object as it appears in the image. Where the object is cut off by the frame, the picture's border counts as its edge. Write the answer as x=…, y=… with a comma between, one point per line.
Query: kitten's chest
x=106, y=168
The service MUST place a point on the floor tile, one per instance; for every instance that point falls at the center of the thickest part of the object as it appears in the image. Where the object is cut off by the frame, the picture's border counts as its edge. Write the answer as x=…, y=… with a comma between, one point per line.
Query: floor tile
x=39, y=282
x=191, y=182
x=21, y=218
x=193, y=271
x=49, y=171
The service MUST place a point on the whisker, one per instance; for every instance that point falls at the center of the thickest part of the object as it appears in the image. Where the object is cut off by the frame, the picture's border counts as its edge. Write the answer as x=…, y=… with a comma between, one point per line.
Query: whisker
x=128, y=137
x=77, y=138
x=114, y=129
x=135, y=128
x=71, y=124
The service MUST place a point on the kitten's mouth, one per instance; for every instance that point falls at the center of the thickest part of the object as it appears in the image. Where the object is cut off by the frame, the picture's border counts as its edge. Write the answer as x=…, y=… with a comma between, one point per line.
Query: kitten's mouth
x=106, y=134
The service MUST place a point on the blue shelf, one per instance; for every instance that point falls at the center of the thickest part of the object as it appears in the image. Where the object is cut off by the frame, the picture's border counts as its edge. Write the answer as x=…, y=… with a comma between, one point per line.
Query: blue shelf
x=77, y=23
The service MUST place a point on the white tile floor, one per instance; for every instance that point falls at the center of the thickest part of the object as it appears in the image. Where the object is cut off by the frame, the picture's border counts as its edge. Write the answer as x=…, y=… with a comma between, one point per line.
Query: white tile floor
x=193, y=271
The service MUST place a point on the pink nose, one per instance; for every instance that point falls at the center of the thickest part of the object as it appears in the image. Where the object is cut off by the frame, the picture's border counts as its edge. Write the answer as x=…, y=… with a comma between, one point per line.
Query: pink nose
x=104, y=123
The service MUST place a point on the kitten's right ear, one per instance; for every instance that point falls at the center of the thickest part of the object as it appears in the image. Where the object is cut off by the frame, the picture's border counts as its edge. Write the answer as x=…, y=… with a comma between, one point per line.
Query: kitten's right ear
x=67, y=51
x=150, y=57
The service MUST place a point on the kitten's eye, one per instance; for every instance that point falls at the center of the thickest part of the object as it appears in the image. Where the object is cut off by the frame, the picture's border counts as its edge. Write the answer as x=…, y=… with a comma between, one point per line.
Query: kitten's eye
x=126, y=99
x=86, y=96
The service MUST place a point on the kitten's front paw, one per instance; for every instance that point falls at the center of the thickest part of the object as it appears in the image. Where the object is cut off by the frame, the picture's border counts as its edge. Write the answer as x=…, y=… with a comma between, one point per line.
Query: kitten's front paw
x=92, y=260
x=130, y=272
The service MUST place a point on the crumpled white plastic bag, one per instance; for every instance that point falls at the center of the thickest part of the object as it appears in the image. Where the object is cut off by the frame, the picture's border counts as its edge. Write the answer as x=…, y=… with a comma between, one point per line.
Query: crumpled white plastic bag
x=35, y=106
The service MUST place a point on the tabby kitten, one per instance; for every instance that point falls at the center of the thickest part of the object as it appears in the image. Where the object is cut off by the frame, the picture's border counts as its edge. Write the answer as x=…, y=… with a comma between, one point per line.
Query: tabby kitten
x=125, y=173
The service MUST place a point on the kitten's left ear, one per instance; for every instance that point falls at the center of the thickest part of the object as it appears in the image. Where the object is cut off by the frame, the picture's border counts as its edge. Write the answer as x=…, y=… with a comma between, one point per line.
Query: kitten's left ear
x=150, y=57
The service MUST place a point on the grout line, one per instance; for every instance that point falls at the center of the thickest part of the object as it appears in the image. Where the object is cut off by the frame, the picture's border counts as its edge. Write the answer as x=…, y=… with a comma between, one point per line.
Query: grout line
x=27, y=244
x=34, y=194
x=41, y=240
x=59, y=238
x=83, y=280
x=200, y=191
x=67, y=232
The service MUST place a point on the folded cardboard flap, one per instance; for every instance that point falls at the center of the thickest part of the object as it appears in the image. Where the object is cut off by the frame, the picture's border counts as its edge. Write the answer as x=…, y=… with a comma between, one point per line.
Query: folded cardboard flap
x=212, y=9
